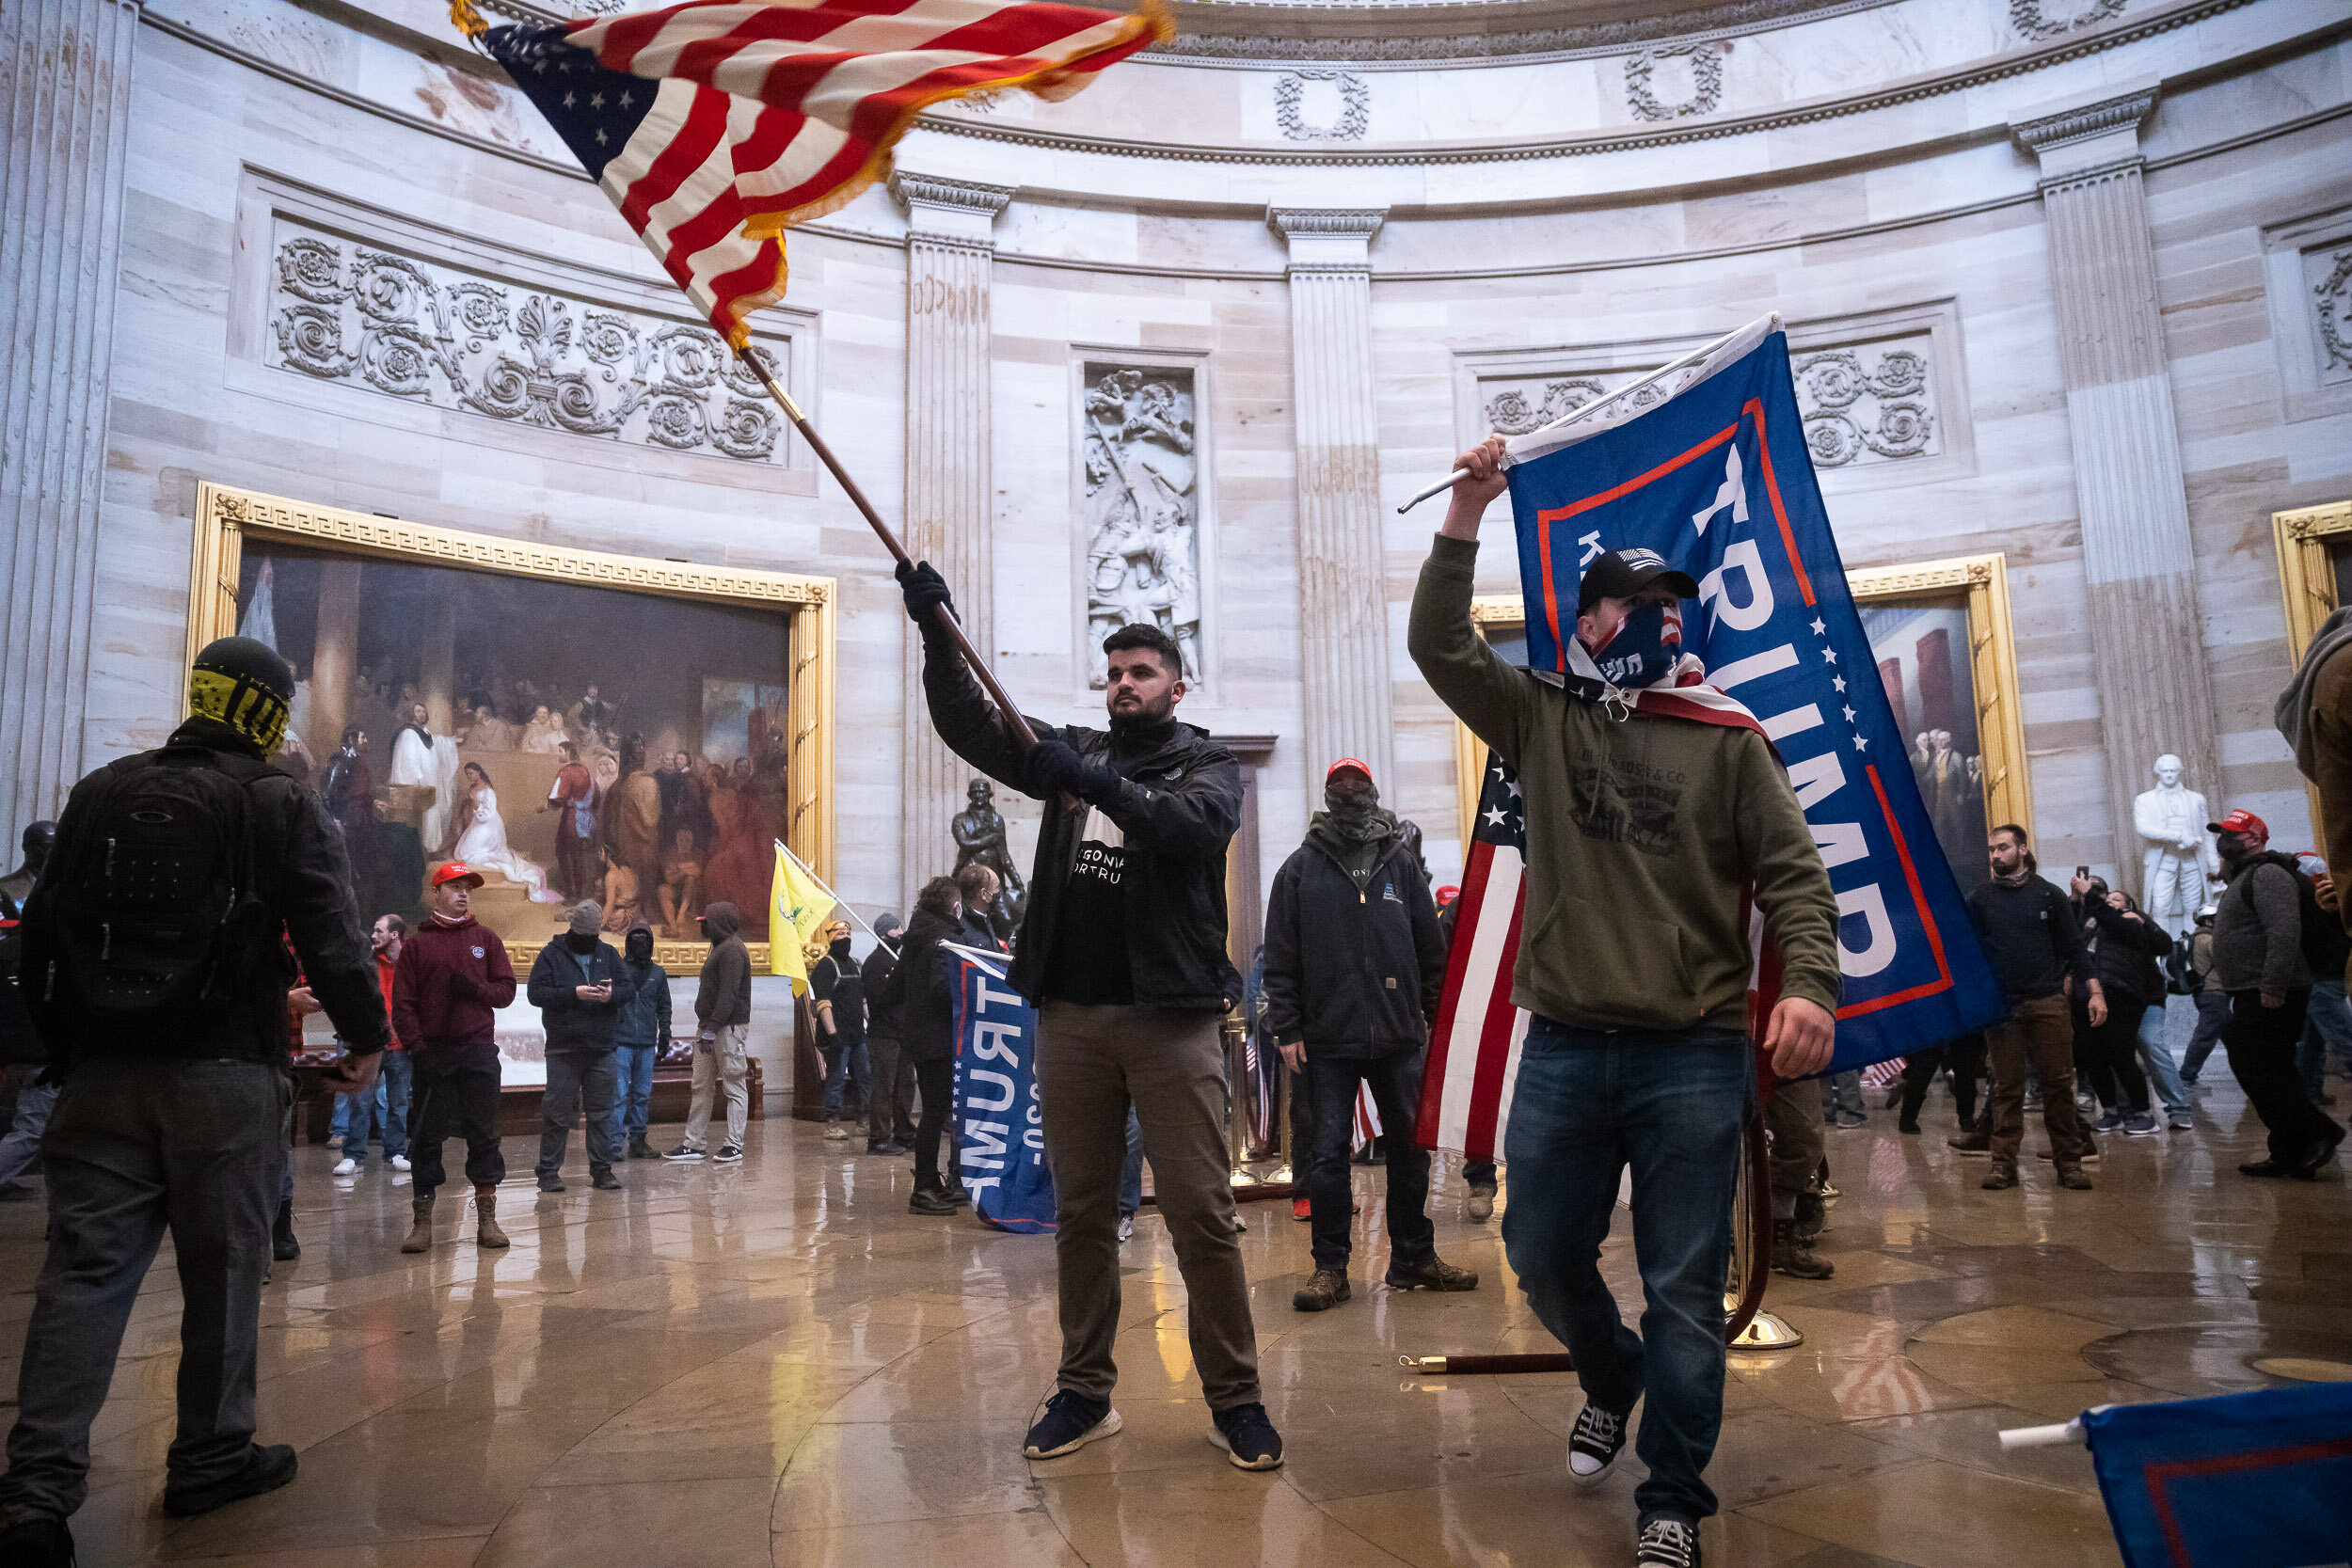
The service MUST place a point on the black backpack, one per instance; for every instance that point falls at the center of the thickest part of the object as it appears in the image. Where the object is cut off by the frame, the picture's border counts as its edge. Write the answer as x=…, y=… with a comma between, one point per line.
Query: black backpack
x=151, y=907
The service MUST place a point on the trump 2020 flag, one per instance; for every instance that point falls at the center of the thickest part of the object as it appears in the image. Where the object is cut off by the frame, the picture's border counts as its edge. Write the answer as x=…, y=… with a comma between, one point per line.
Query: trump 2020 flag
x=2261, y=1479
x=999, y=1131
x=1717, y=480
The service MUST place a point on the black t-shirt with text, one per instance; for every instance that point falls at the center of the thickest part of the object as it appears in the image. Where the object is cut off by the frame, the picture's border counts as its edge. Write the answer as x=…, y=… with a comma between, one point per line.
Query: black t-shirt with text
x=1088, y=963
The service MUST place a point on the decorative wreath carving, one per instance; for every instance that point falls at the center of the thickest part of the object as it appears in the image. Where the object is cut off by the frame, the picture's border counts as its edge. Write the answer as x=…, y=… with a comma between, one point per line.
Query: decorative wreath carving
x=1706, y=78
x=1852, y=407
x=2028, y=17
x=1355, y=106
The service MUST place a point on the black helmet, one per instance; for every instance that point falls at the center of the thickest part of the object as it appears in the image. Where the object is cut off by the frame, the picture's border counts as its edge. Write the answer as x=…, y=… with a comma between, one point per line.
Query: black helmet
x=245, y=684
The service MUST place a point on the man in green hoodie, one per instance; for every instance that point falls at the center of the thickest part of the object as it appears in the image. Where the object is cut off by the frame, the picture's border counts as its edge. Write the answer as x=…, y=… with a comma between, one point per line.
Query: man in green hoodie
x=1646, y=834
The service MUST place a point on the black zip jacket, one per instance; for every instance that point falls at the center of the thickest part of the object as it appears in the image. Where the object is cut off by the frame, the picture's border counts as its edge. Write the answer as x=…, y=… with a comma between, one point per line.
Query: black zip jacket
x=882, y=1008
x=917, y=992
x=573, y=1025
x=2030, y=938
x=1177, y=805
x=1354, y=974
x=645, y=1018
x=2128, y=952
x=305, y=882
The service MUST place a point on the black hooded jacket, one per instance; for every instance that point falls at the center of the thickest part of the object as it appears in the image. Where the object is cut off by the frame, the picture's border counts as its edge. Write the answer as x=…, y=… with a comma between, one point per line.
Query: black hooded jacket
x=645, y=1018
x=1354, y=971
x=581, y=1028
x=1176, y=804
x=304, y=883
x=917, y=992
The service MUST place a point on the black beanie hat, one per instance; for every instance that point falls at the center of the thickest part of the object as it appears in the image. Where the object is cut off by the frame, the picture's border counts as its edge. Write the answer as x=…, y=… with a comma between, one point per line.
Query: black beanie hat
x=246, y=685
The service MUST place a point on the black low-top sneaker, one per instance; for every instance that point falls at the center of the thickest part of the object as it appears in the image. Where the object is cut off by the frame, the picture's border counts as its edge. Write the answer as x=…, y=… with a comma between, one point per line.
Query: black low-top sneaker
x=684, y=1152
x=38, y=1543
x=266, y=1469
x=728, y=1155
x=1248, y=1437
x=1667, y=1542
x=1596, y=1444
x=1071, y=1421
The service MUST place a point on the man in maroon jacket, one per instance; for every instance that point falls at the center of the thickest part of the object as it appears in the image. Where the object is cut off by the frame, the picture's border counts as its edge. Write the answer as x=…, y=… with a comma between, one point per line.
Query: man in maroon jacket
x=453, y=976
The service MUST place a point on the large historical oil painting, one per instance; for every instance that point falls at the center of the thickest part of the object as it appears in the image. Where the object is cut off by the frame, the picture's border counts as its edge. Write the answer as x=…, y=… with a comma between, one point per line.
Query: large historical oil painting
x=1921, y=651
x=565, y=739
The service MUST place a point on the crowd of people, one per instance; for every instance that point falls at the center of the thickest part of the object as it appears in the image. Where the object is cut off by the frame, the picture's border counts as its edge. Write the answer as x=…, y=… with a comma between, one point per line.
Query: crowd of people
x=178, y=957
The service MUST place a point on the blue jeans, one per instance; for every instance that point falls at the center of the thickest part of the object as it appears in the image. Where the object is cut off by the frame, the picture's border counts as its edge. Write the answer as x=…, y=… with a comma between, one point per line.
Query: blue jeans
x=339, y=1125
x=386, y=1105
x=34, y=1102
x=1671, y=1104
x=632, y=1108
x=2327, y=1027
x=2157, y=1052
x=1130, y=1174
x=2213, y=1011
x=845, y=1077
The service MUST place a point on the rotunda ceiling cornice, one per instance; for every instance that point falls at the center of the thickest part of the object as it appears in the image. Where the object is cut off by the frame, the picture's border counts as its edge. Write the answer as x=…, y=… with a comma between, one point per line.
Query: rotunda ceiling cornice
x=1421, y=33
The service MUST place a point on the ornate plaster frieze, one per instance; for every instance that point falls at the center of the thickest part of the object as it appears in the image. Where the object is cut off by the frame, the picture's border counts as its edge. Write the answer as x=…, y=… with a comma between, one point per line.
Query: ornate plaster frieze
x=1136, y=435
x=2331, y=310
x=1706, y=82
x=402, y=327
x=1870, y=403
x=1355, y=223
x=1205, y=38
x=931, y=190
x=1355, y=117
x=2049, y=19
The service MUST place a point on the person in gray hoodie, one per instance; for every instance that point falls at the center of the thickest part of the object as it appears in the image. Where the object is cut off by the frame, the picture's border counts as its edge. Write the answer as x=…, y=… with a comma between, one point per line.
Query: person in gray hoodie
x=2258, y=959
x=580, y=988
x=639, y=1039
x=722, y=1007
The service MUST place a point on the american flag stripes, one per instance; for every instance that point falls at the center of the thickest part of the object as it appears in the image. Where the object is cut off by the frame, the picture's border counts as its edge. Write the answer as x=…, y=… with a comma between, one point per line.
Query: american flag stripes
x=1474, y=1052
x=717, y=124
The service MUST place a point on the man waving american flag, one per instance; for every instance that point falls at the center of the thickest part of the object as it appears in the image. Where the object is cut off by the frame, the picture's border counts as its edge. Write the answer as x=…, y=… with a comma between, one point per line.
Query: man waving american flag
x=717, y=124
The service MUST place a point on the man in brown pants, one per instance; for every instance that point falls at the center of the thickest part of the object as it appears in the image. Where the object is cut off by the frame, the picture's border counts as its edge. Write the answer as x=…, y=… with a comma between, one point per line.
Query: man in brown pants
x=1123, y=949
x=2032, y=941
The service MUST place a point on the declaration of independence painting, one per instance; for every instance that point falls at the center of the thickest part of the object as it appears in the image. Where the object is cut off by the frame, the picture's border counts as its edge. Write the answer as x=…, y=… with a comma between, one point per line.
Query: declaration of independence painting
x=567, y=741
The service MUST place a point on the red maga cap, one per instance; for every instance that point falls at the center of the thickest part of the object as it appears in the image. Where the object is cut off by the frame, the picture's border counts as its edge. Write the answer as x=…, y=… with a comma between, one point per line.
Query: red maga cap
x=1447, y=895
x=1346, y=761
x=2241, y=822
x=456, y=871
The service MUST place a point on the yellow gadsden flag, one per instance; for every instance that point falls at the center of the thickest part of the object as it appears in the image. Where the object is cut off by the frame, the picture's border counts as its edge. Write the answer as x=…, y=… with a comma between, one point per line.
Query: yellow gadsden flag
x=798, y=909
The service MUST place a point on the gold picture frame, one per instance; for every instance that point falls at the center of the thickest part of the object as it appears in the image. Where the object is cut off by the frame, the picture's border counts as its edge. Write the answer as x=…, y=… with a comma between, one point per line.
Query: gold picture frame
x=2306, y=581
x=1981, y=582
x=225, y=516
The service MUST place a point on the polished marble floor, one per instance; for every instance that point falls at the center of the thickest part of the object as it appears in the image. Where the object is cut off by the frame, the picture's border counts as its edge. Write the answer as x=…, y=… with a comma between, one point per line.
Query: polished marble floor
x=775, y=1362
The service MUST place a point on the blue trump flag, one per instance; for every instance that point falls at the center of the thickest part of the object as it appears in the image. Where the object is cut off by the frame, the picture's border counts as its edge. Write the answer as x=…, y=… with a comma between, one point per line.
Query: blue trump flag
x=999, y=1127
x=2261, y=1479
x=1717, y=480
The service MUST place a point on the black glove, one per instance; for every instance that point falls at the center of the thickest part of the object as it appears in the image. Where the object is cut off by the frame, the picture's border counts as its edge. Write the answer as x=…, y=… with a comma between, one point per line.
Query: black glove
x=924, y=587
x=1056, y=769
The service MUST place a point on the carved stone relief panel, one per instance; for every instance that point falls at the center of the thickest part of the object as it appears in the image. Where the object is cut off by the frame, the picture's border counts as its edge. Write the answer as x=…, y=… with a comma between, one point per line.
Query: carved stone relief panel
x=1142, y=506
x=400, y=326
x=2307, y=273
x=1322, y=105
x=1871, y=403
x=1674, y=82
x=2327, y=274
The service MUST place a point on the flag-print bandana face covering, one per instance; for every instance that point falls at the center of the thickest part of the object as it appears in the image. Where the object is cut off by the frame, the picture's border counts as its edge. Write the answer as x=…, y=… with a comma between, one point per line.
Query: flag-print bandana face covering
x=1645, y=646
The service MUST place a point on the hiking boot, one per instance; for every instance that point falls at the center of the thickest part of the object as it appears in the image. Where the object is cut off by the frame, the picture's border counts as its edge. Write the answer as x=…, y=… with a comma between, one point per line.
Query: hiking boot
x=2002, y=1174
x=284, y=1248
x=2073, y=1179
x=1326, y=1289
x=1248, y=1437
x=38, y=1543
x=836, y=1132
x=1793, y=1254
x=420, y=1228
x=639, y=1149
x=266, y=1469
x=930, y=1200
x=487, y=1231
x=1071, y=1421
x=1667, y=1542
x=551, y=1183
x=1812, y=1216
x=1480, y=1206
x=959, y=1194
x=1595, y=1443
x=604, y=1180
x=1434, y=1275
x=1971, y=1143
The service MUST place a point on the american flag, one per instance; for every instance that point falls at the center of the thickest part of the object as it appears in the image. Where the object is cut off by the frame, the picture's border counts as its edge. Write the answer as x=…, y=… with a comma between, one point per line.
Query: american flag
x=1474, y=1052
x=717, y=124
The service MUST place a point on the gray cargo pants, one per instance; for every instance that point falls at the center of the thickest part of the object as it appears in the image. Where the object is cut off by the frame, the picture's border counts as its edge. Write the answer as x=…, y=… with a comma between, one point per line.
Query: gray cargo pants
x=134, y=1148
x=1091, y=1063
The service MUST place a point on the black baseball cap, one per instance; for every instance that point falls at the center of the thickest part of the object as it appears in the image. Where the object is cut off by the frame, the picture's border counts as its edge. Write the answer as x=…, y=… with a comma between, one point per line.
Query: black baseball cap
x=1622, y=574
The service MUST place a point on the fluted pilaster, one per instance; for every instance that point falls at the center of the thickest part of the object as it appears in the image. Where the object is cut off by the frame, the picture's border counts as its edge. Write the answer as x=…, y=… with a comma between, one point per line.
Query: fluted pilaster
x=1343, y=623
x=948, y=505
x=65, y=82
x=2138, y=564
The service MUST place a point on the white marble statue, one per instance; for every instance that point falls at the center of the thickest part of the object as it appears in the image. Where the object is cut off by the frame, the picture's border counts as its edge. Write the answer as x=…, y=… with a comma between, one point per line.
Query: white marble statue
x=2179, y=857
x=1142, y=514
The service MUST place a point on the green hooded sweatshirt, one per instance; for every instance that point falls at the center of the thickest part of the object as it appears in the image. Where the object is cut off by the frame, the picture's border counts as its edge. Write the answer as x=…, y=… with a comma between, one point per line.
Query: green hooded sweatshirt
x=1641, y=833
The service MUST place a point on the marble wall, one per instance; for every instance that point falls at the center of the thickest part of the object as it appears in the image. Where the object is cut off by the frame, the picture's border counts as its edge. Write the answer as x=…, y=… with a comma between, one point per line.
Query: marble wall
x=1856, y=172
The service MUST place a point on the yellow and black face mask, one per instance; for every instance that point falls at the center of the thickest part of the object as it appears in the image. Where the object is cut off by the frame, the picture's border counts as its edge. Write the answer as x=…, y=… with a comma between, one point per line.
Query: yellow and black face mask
x=240, y=702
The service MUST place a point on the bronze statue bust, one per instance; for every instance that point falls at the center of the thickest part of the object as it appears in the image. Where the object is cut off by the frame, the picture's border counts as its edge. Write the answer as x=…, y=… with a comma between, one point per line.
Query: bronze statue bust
x=979, y=834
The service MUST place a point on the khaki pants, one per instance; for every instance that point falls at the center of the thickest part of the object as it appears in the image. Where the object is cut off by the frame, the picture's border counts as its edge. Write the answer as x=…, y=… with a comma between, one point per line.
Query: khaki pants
x=1093, y=1062
x=718, y=1062
x=2037, y=1036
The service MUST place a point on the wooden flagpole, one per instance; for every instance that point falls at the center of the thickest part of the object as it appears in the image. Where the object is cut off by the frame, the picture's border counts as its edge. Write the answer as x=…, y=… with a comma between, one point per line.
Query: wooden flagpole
x=947, y=619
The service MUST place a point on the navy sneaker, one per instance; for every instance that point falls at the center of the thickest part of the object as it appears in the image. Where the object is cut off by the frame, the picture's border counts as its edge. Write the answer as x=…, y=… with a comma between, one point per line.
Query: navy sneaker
x=1248, y=1437
x=1071, y=1421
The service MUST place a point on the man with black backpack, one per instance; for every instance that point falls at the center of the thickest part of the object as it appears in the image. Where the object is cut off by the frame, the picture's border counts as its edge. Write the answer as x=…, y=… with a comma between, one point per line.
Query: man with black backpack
x=155, y=969
x=2263, y=928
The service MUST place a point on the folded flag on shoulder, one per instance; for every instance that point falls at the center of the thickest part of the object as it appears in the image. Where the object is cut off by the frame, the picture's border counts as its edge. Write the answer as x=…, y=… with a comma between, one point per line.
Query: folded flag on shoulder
x=717, y=124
